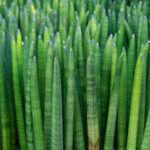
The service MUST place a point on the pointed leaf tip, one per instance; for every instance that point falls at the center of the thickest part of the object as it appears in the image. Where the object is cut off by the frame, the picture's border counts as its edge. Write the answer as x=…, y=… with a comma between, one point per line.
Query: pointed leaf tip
x=13, y=38
x=91, y=53
x=114, y=45
x=140, y=55
x=111, y=35
x=69, y=38
x=123, y=49
x=57, y=33
x=18, y=31
x=121, y=54
x=34, y=58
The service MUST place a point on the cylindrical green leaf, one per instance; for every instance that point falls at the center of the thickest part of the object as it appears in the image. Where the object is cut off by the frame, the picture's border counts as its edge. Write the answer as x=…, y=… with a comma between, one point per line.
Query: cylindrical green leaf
x=113, y=105
x=69, y=107
x=48, y=98
x=135, y=102
x=17, y=96
x=36, y=109
x=92, y=112
x=57, y=120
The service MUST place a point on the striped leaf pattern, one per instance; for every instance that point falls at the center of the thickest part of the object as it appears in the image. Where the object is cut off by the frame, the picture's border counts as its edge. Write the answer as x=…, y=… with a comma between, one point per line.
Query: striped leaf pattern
x=92, y=113
x=74, y=75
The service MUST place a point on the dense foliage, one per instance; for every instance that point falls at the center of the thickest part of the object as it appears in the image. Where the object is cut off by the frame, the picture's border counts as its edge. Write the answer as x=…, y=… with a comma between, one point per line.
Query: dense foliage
x=74, y=74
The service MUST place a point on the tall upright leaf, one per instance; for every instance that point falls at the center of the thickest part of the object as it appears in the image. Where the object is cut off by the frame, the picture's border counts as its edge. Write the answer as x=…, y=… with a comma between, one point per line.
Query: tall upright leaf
x=135, y=102
x=48, y=98
x=92, y=111
x=112, y=110
x=104, y=85
x=28, y=111
x=17, y=96
x=57, y=121
x=121, y=114
x=141, y=122
x=70, y=100
x=131, y=61
x=4, y=111
x=36, y=109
